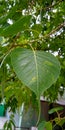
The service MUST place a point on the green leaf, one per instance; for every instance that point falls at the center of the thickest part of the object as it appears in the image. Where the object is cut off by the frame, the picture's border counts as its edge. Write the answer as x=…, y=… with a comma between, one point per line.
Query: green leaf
x=9, y=126
x=5, y=125
x=55, y=110
x=41, y=126
x=48, y=125
x=36, y=30
x=12, y=122
x=59, y=121
x=1, y=40
x=36, y=69
x=44, y=124
x=62, y=121
x=20, y=25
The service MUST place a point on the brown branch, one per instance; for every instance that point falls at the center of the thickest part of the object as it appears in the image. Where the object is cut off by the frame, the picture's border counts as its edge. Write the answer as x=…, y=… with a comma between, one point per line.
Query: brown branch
x=40, y=38
x=55, y=30
x=28, y=42
x=51, y=6
x=48, y=35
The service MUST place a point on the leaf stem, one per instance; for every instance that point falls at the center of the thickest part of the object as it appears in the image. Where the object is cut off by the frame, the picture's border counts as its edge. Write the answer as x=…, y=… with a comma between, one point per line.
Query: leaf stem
x=39, y=106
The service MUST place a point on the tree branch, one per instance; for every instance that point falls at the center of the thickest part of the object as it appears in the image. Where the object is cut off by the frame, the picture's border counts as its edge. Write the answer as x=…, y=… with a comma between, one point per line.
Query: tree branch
x=56, y=29
x=51, y=6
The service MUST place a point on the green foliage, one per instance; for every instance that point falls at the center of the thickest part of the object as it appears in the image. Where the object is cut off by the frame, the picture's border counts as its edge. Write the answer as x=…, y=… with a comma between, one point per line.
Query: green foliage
x=41, y=125
x=39, y=24
x=45, y=125
x=55, y=123
x=36, y=69
x=20, y=25
x=9, y=125
x=55, y=110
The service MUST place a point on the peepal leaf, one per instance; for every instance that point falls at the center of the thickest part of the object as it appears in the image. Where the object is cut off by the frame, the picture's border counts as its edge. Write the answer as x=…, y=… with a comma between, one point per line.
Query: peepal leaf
x=36, y=69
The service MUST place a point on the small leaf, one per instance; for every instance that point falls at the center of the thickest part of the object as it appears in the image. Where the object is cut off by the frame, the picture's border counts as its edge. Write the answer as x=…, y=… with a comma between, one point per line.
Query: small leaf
x=5, y=125
x=55, y=110
x=48, y=125
x=12, y=122
x=41, y=126
x=59, y=121
x=62, y=121
x=9, y=126
x=36, y=30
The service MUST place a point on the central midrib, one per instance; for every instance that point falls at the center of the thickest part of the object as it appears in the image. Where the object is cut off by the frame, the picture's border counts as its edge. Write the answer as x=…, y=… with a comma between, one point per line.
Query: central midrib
x=35, y=59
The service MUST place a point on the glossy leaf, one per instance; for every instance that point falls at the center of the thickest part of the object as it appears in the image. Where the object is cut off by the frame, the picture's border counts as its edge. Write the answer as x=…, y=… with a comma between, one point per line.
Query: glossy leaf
x=36, y=69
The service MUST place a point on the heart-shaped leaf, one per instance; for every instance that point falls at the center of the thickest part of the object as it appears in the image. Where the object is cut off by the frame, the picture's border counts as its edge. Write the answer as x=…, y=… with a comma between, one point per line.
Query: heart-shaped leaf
x=36, y=69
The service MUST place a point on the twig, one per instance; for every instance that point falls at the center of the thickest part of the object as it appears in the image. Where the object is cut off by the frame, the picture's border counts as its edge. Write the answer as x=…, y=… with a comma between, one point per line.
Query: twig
x=56, y=29
x=48, y=35
x=51, y=6
x=32, y=41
